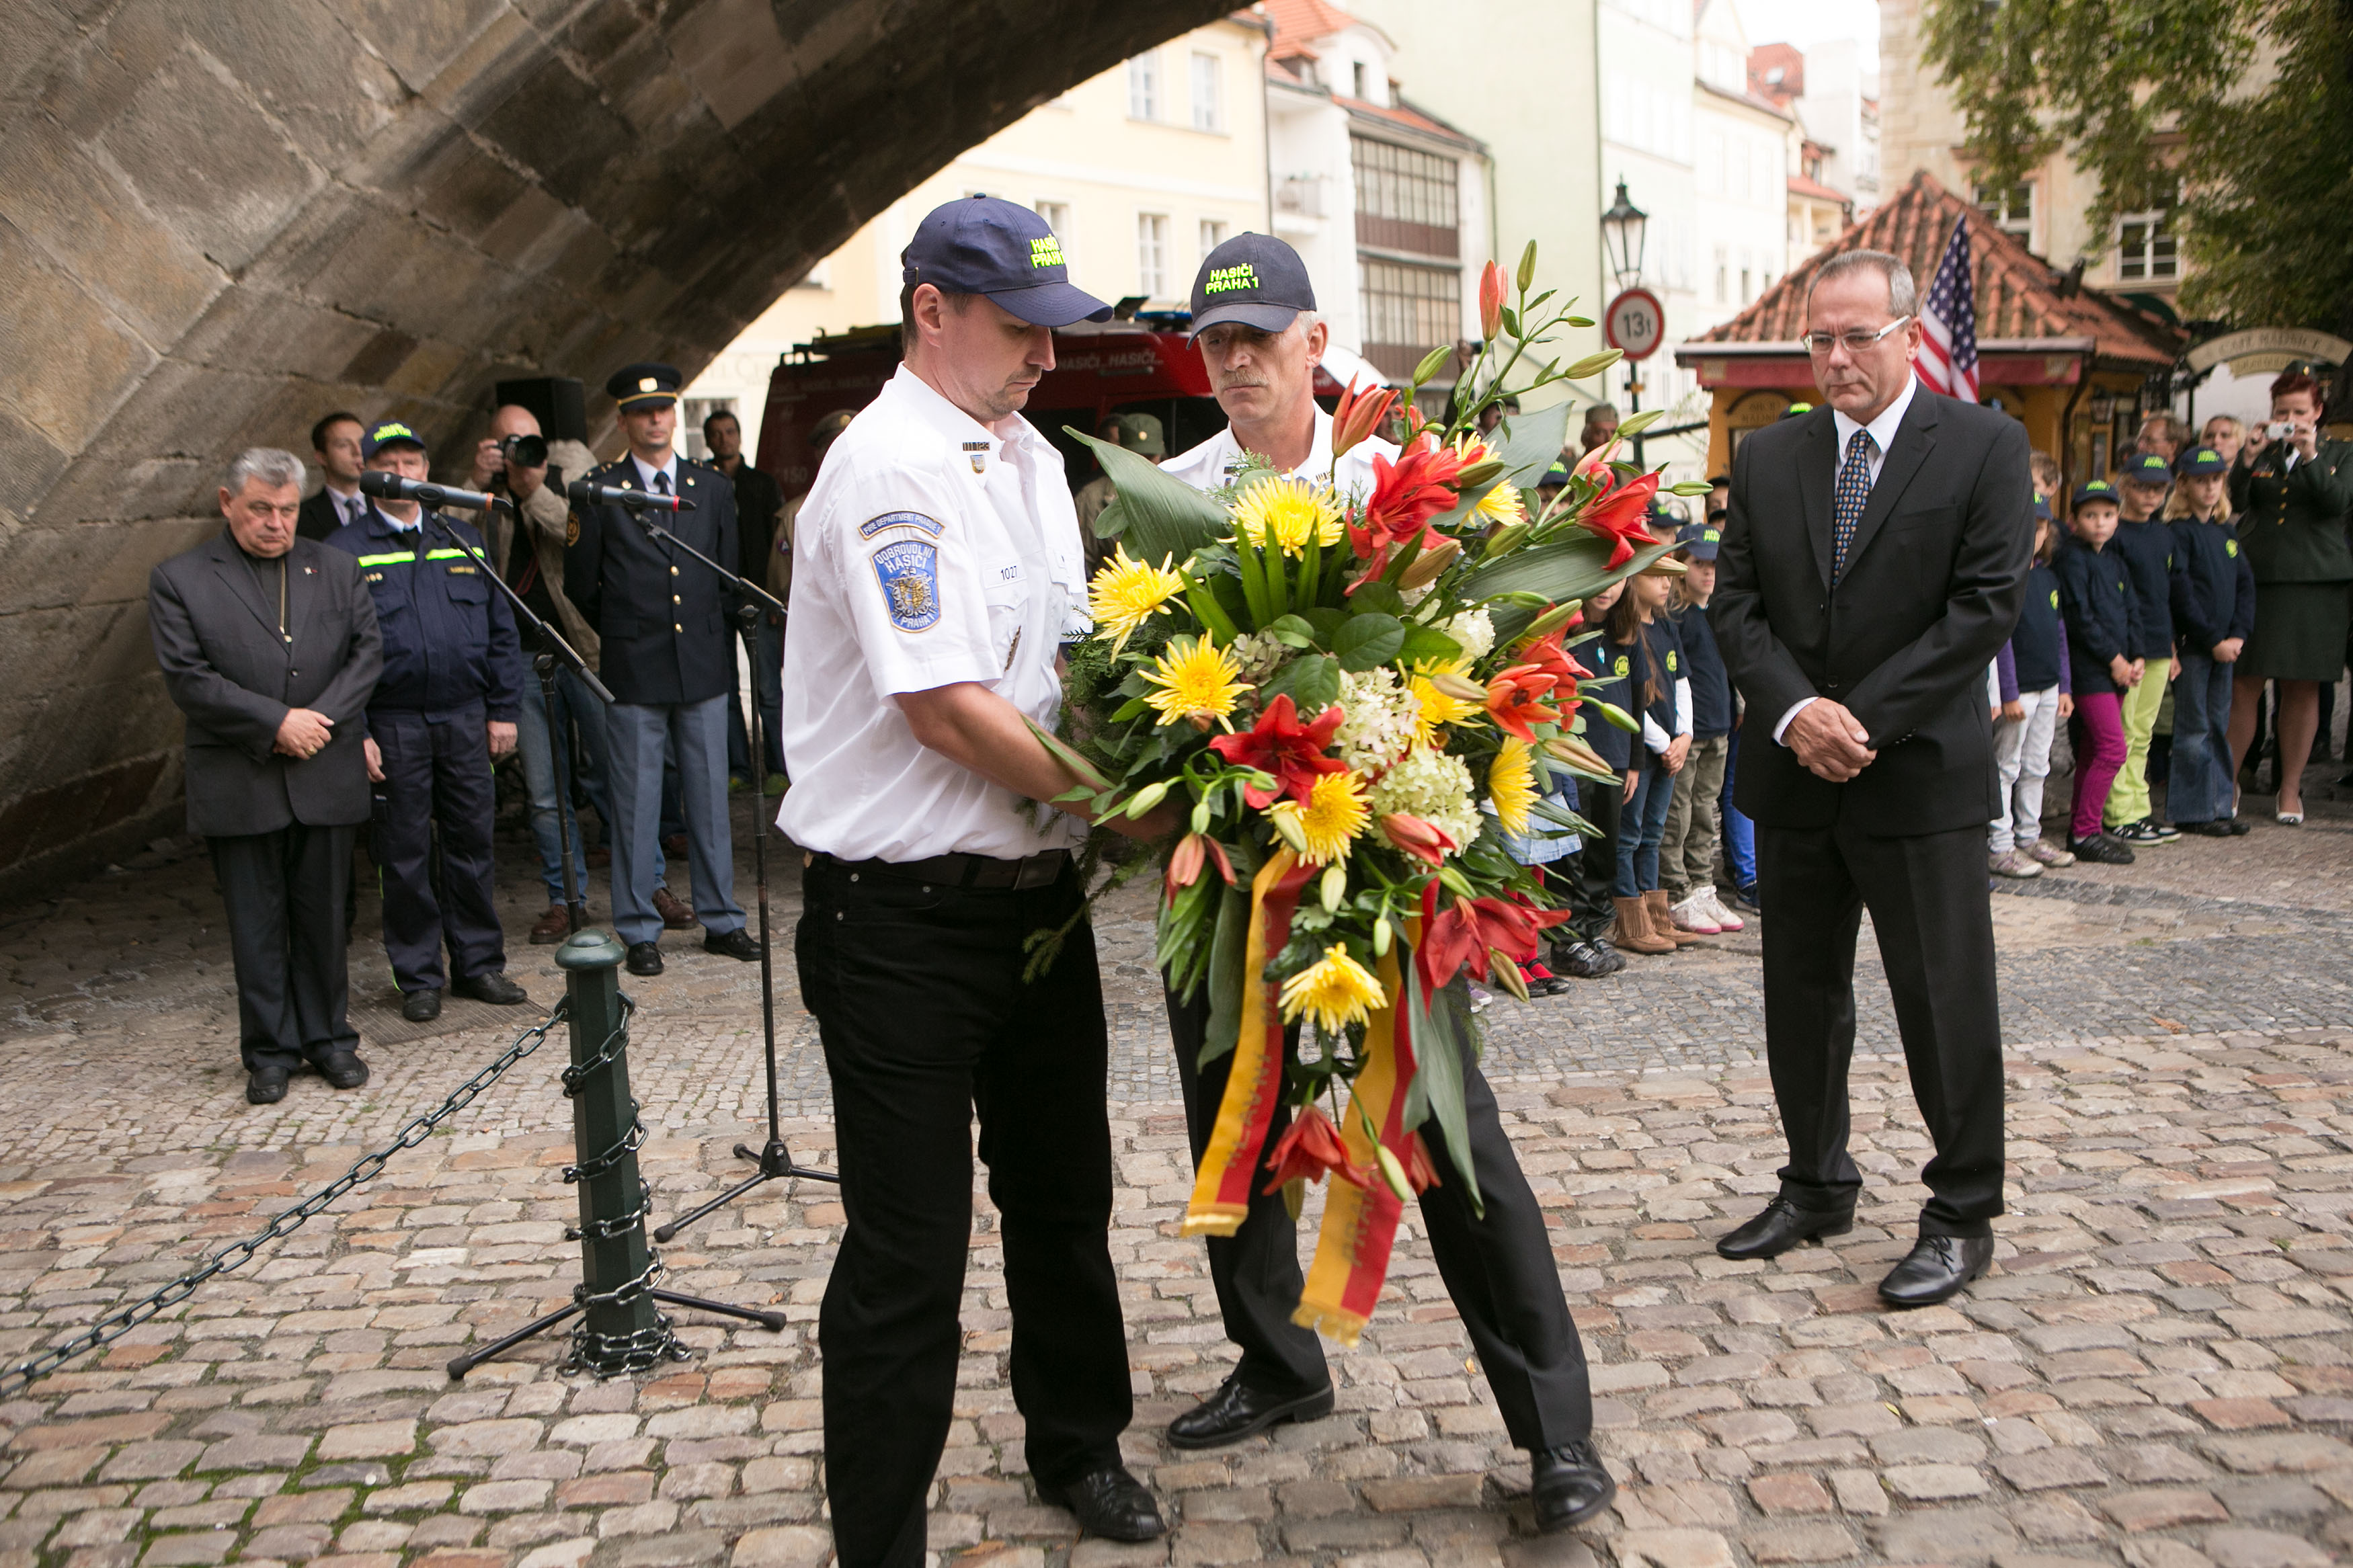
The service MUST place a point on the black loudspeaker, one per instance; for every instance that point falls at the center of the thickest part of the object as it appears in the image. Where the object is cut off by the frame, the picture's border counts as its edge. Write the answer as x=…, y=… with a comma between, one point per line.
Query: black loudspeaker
x=556, y=401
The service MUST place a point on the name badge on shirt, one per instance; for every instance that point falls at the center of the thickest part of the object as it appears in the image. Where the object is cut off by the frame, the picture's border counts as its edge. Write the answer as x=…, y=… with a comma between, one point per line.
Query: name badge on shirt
x=909, y=573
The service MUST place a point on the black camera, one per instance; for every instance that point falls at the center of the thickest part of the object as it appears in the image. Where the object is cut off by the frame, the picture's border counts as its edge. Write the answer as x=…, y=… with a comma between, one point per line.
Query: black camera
x=524, y=450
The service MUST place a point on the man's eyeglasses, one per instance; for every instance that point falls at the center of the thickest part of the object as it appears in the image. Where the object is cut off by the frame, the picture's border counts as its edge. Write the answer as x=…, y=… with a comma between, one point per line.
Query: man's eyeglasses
x=1854, y=339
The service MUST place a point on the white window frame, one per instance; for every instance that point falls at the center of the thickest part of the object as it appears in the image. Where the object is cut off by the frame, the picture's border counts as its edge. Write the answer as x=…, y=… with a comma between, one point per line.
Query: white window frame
x=1056, y=214
x=2156, y=226
x=1214, y=232
x=1208, y=81
x=1143, y=86
x=1151, y=254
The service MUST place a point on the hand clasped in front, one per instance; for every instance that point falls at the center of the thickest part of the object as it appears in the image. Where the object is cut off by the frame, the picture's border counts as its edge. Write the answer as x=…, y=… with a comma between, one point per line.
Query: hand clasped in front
x=1829, y=741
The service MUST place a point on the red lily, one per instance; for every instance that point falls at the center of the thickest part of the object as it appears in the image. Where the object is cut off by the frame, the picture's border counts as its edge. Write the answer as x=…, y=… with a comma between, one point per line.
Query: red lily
x=1547, y=657
x=1516, y=699
x=1475, y=932
x=1184, y=867
x=1419, y=1174
x=1618, y=515
x=1491, y=300
x=1418, y=837
x=1279, y=744
x=1310, y=1150
x=1359, y=415
x=1406, y=494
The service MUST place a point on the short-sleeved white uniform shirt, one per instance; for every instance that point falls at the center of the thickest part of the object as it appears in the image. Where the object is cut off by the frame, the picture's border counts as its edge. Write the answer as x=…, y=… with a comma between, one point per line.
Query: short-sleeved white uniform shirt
x=1210, y=464
x=932, y=550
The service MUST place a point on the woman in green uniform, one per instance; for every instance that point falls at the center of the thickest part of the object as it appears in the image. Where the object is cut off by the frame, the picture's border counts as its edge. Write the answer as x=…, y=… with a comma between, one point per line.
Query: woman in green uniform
x=2291, y=501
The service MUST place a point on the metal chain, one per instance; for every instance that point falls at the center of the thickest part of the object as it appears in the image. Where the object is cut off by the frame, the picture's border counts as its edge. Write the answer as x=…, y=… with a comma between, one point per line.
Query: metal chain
x=593, y=1350
x=117, y=1323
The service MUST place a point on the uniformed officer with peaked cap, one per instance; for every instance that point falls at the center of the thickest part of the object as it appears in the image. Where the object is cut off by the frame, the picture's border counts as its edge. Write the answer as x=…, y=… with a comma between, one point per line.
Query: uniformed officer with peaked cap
x=937, y=569
x=668, y=656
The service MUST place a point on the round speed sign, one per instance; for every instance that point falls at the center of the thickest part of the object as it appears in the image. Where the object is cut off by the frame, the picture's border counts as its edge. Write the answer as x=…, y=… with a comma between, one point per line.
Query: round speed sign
x=1635, y=324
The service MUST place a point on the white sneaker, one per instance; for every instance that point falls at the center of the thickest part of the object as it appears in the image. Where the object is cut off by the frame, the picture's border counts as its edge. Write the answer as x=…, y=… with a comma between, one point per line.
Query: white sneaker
x=1724, y=918
x=1692, y=915
x=2010, y=863
x=2043, y=852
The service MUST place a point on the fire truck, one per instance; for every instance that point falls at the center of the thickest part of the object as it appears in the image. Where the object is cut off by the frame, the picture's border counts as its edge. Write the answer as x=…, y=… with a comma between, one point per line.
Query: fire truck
x=1139, y=365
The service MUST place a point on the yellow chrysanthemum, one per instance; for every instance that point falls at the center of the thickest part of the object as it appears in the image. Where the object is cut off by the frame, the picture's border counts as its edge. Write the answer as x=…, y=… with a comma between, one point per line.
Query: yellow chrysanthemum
x=1439, y=709
x=1197, y=680
x=1334, y=814
x=1285, y=514
x=1500, y=507
x=1511, y=785
x=1126, y=592
x=1336, y=989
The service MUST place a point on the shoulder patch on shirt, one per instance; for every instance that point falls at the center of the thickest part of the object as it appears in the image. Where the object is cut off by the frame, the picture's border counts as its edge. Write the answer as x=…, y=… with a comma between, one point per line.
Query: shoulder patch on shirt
x=874, y=526
x=2230, y=547
x=572, y=529
x=909, y=573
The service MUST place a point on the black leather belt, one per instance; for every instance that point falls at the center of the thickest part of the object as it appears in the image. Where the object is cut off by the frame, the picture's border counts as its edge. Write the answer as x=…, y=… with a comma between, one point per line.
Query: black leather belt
x=1040, y=871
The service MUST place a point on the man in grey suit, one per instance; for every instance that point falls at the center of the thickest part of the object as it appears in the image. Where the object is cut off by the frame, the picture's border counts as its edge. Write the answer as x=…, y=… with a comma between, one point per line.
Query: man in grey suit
x=270, y=646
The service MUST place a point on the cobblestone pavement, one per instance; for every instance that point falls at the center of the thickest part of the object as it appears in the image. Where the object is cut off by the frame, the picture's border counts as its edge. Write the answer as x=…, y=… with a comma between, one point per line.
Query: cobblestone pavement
x=2158, y=1374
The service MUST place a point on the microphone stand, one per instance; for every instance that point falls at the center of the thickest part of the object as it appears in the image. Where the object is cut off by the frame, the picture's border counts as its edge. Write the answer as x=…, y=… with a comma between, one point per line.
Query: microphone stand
x=773, y=1160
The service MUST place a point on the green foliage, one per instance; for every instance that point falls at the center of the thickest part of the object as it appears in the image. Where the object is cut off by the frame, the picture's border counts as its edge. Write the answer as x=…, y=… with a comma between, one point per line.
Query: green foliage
x=2248, y=102
x=1159, y=517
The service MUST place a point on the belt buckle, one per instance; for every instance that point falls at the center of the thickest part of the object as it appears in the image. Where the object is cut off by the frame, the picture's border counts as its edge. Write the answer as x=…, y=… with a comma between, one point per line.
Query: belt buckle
x=1039, y=870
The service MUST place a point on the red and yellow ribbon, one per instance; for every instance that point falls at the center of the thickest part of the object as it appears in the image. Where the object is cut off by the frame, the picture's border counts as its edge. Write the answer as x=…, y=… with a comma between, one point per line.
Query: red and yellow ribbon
x=1352, y=1252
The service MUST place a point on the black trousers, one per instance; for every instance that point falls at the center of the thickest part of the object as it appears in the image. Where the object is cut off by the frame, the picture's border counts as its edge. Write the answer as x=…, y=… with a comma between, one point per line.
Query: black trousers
x=1927, y=894
x=1499, y=1270
x=925, y=1020
x=1592, y=872
x=285, y=894
x=437, y=771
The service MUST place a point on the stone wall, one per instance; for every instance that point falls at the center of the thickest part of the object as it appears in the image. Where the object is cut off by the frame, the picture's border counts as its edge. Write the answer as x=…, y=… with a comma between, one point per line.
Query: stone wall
x=219, y=220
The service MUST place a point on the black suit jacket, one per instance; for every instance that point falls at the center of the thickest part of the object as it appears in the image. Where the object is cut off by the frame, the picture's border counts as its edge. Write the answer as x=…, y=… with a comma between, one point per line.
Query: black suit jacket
x=230, y=672
x=318, y=518
x=1933, y=584
x=659, y=614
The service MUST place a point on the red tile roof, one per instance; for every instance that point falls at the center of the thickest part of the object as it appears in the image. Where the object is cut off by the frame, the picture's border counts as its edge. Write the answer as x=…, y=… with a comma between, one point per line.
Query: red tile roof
x=1298, y=23
x=1800, y=185
x=1405, y=114
x=2017, y=294
x=1763, y=58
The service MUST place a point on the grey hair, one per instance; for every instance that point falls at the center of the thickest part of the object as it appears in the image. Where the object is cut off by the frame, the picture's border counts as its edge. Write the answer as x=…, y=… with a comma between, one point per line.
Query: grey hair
x=1903, y=294
x=270, y=464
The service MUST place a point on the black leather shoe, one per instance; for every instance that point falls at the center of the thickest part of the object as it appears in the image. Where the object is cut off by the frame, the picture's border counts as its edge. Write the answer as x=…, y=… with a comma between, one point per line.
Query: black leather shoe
x=491, y=986
x=737, y=943
x=1110, y=1503
x=1582, y=960
x=2206, y=829
x=421, y=1006
x=1569, y=1485
x=1936, y=1269
x=265, y=1086
x=1234, y=1412
x=1781, y=1227
x=2241, y=826
x=343, y=1070
x=644, y=958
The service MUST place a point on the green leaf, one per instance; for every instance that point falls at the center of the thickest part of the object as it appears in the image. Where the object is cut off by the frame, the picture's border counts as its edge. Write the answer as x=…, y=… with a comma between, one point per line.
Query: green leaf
x=1573, y=568
x=1133, y=708
x=1227, y=946
x=1081, y=769
x=1312, y=684
x=1292, y=631
x=1427, y=645
x=1445, y=1042
x=1329, y=620
x=1165, y=517
x=1112, y=522
x=1379, y=596
x=1366, y=642
x=1532, y=444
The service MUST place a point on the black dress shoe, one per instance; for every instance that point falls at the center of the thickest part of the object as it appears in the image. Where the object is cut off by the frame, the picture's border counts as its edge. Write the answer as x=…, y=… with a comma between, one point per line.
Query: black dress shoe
x=2206, y=829
x=2241, y=827
x=491, y=986
x=1936, y=1269
x=737, y=943
x=1781, y=1227
x=1569, y=1485
x=644, y=958
x=421, y=1006
x=1236, y=1411
x=265, y=1086
x=343, y=1070
x=1110, y=1503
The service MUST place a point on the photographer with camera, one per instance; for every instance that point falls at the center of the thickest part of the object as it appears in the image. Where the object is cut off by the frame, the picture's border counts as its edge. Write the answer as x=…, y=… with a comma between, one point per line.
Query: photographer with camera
x=2291, y=496
x=517, y=461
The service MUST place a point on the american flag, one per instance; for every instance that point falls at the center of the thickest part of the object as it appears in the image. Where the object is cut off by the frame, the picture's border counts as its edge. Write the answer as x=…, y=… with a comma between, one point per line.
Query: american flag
x=1949, y=323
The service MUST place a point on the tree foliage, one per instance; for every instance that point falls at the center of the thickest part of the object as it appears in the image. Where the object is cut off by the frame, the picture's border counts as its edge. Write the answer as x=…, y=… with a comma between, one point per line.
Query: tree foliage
x=2248, y=104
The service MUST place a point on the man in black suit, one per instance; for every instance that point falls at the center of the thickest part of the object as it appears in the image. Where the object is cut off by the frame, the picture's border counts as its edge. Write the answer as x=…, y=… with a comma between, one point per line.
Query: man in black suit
x=269, y=644
x=336, y=440
x=669, y=655
x=1874, y=561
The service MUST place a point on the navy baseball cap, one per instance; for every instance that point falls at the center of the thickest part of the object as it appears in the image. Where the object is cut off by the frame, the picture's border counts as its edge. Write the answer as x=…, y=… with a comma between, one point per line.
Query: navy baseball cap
x=1554, y=476
x=1254, y=279
x=2147, y=469
x=986, y=244
x=387, y=433
x=2095, y=489
x=1699, y=540
x=2041, y=507
x=2201, y=461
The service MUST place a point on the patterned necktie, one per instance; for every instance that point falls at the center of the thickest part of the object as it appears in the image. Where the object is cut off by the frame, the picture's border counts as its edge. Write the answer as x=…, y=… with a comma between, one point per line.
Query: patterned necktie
x=1852, y=495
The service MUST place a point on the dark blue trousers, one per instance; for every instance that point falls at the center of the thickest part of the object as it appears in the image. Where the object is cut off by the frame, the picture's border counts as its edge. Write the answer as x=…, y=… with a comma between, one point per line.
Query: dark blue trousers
x=437, y=772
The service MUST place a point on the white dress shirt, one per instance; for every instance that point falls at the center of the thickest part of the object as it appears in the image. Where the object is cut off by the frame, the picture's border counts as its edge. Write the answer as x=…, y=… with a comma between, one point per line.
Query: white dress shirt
x=1883, y=433
x=1212, y=464
x=932, y=550
x=645, y=475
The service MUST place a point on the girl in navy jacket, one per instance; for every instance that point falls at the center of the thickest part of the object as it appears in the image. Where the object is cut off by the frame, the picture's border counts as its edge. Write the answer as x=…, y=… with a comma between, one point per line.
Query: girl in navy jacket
x=2213, y=611
x=2096, y=603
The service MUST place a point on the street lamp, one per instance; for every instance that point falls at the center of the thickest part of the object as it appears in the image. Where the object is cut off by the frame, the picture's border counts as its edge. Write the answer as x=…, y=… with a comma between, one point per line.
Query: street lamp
x=1622, y=237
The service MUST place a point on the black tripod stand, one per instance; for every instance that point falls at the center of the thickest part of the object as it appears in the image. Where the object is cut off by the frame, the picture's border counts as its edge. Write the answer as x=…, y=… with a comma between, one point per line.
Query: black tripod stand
x=773, y=1160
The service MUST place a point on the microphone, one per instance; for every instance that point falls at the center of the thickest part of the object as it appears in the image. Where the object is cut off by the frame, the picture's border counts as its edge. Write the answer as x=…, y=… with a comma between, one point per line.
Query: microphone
x=392, y=487
x=580, y=492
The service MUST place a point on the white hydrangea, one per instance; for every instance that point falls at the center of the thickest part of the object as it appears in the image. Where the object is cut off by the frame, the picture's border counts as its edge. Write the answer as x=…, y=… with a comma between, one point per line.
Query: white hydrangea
x=1474, y=630
x=1381, y=722
x=1435, y=787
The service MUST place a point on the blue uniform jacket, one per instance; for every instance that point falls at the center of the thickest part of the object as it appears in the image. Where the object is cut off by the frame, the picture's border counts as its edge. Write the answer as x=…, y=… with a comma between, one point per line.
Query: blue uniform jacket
x=661, y=615
x=449, y=637
x=2213, y=584
x=2146, y=549
x=2095, y=598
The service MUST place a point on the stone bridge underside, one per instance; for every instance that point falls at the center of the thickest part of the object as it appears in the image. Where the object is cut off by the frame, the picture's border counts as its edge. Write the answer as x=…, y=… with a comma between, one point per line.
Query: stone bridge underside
x=221, y=218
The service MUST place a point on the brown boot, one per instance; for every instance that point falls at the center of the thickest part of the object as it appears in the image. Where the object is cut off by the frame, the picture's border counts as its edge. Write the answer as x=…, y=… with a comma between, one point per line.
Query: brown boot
x=1633, y=933
x=1654, y=904
x=553, y=927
